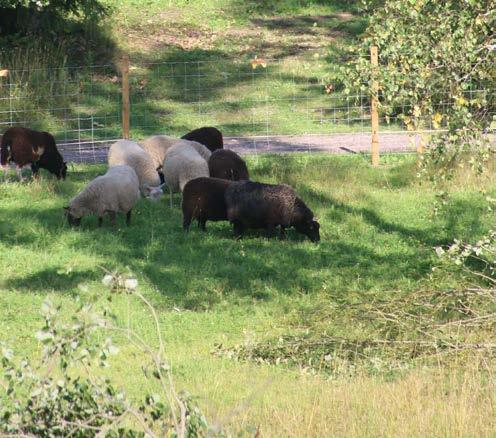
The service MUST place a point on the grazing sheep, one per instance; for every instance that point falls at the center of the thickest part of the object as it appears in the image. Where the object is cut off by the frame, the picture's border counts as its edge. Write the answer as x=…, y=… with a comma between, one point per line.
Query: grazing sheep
x=157, y=146
x=115, y=192
x=202, y=150
x=207, y=136
x=24, y=146
x=203, y=199
x=126, y=152
x=182, y=163
x=256, y=205
x=227, y=164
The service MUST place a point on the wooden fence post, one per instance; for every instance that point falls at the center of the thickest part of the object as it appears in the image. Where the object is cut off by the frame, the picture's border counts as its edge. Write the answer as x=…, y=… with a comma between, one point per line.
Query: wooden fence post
x=374, y=59
x=125, y=96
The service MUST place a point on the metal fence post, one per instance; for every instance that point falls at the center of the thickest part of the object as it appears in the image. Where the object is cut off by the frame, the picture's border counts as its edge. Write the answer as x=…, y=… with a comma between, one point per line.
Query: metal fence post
x=374, y=59
x=125, y=96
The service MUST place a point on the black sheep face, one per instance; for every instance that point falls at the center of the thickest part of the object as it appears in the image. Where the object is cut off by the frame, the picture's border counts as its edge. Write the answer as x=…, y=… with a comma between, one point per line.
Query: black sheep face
x=310, y=229
x=73, y=220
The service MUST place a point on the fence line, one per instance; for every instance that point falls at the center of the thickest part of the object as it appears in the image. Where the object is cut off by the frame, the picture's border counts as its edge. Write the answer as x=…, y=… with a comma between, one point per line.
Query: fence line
x=289, y=104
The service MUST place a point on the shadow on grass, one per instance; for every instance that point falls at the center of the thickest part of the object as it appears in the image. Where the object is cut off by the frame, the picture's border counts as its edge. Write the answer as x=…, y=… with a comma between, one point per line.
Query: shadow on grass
x=202, y=270
x=463, y=218
x=322, y=25
x=51, y=279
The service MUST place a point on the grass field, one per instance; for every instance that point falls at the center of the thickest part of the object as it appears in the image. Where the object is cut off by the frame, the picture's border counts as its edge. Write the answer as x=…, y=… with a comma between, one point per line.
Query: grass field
x=376, y=254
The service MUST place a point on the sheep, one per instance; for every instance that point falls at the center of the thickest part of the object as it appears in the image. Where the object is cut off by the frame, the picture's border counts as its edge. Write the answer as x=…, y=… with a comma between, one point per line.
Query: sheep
x=126, y=152
x=203, y=199
x=256, y=205
x=24, y=146
x=116, y=191
x=157, y=146
x=182, y=163
x=202, y=150
x=227, y=164
x=207, y=136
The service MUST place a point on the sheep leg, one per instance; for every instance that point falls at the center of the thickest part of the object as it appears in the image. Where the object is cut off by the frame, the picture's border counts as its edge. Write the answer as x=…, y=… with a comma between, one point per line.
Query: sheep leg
x=19, y=173
x=202, y=224
x=128, y=218
x=170, y=197
x=238, y=230
x=34, y=170
x=100, y=221
x=282, y=233
x=112, y=218
x=270, y=230
x=5, y=171
x=186, y=222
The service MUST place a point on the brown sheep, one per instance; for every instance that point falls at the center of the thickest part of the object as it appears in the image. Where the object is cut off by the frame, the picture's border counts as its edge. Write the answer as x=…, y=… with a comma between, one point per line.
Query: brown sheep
x=255, y=205
x=24, y=146
x=207, y=136
x=203, y=199
x=227, y=164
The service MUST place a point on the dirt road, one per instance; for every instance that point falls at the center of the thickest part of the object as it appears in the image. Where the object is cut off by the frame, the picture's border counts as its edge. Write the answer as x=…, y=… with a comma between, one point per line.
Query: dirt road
x=89, y=152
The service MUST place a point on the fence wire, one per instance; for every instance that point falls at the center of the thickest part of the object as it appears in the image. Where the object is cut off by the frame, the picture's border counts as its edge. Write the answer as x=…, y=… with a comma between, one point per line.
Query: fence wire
x=259, y=105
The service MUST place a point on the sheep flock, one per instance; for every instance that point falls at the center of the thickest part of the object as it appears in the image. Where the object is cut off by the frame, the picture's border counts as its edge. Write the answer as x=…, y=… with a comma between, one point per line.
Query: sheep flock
x=214, y=182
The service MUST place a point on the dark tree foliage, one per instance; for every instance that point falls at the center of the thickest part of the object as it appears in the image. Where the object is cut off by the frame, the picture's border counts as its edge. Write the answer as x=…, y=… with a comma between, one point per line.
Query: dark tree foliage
x=22, y=17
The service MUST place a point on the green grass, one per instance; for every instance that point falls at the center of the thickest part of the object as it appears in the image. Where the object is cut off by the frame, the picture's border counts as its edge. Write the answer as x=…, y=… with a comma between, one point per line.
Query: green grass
x=378, y=234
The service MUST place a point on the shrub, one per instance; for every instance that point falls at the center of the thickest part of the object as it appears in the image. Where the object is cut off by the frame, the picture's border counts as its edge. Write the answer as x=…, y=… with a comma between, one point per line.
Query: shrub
x=63, y=395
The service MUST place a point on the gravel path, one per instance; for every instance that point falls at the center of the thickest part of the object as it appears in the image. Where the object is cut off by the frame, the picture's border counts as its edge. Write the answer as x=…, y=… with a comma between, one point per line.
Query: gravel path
x=89, y=152
x=334, y=143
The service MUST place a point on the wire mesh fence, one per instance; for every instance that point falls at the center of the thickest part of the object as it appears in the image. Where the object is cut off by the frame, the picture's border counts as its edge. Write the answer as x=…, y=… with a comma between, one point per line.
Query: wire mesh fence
x=79, y=106
x=259, y=105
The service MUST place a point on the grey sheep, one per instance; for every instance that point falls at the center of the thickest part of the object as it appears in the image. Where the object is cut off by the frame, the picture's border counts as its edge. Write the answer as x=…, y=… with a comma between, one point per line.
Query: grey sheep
x=115, y=192
x=182, y=163
x=255, y=205
x=127, y=152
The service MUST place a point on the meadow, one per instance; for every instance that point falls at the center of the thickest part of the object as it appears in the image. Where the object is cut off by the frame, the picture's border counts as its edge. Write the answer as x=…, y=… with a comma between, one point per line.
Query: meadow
x=252, y=326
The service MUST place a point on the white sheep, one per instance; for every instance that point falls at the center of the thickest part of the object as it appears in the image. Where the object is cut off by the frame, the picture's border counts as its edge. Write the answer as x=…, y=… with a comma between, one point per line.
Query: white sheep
x=202, y=150
x=182, y=163
x=157, y=146
x=116, y=191
x=126, y=152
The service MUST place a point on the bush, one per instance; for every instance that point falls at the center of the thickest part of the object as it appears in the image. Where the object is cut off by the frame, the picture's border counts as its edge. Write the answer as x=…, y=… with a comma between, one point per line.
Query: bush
x=63, y=395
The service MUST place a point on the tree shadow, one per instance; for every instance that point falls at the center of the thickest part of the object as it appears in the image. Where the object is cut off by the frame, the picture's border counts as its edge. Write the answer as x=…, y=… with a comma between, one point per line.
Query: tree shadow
x=201, y=270
x=267, y=7
x=328, y=26
x=50, y=279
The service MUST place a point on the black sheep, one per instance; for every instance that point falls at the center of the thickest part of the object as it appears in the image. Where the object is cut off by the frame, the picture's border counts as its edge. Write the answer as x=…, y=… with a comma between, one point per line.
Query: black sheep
x=227, y=164
x=24, y=146
x=203, y=199
x=256, y=205
x=208, y=136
